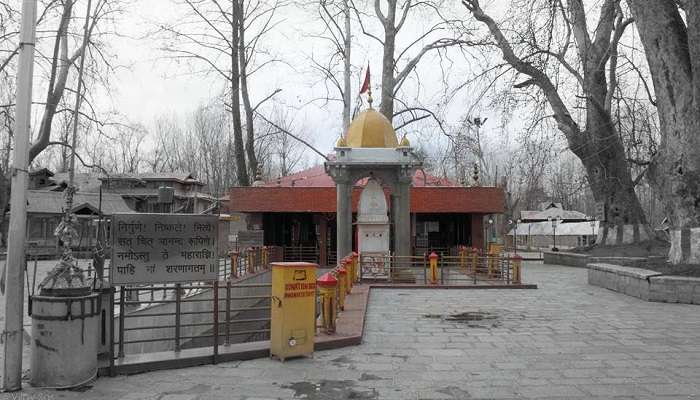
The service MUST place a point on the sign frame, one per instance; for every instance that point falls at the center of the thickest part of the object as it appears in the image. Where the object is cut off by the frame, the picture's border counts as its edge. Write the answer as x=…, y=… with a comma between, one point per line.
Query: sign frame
x=157, y=248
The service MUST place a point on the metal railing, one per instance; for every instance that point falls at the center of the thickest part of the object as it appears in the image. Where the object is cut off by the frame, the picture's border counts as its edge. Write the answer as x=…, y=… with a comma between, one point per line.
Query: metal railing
x=331, y=257
x=463, y=269
x=247, y=261
x=212, y=314
x=300, y=253
x=418, y=251
x=172, y=317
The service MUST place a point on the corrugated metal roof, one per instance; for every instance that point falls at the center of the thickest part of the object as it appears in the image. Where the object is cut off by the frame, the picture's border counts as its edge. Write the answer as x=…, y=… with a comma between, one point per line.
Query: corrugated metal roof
x=563, y=229
x=182, y=177
x=152, y=192
x=553, y=212
x=85, y=182
x=48, y=202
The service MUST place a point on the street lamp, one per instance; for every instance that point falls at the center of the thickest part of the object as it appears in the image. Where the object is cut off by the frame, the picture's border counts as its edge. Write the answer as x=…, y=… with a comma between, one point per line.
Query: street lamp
x=554, y=222
x=486, y=235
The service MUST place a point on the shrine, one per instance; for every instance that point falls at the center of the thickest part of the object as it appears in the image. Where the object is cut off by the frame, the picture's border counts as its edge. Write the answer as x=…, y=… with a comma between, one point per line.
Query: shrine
x=373, y=221
x=371, y=195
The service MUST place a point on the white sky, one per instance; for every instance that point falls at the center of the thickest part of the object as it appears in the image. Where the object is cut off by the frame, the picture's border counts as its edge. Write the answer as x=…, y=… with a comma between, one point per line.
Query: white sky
x=150, y=86
x=153, y=86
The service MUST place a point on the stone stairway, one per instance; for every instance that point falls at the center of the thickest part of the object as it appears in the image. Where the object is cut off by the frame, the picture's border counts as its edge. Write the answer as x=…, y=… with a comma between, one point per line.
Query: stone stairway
x=403, y=275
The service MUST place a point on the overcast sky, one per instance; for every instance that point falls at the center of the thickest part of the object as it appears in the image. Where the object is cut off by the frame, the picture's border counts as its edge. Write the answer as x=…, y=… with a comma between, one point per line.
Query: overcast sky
x=152, y=86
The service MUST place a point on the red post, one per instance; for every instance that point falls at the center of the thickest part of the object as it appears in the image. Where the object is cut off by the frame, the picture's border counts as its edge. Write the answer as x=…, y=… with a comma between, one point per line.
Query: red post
x=327, y=291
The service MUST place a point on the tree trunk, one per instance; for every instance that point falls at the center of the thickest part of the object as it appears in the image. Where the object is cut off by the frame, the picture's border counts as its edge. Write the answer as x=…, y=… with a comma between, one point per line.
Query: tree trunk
x=673, y=54
x=57, y=81
x=250, y=129
x=388, y=79
x=611, y=183
x=603, y=157
x=598, y=146
x=347, y=88
x=4, y=201
x=238, y=150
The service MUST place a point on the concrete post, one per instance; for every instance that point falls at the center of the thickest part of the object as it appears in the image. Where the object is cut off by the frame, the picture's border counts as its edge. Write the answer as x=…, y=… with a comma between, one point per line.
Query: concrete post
x=403, y=228
x=15, y=263
x=343, y=217
x=395, y=212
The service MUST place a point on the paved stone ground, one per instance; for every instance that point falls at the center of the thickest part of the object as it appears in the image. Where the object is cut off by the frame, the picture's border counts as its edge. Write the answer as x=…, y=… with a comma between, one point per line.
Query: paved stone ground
x=564, y=340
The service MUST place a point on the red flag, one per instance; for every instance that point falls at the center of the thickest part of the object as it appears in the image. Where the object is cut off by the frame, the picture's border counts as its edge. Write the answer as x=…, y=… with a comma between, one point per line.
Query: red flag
x=365, y=84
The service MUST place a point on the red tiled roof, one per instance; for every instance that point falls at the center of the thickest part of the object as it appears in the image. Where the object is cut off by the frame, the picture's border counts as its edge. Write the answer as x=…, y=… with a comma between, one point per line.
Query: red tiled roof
x=424, y=199
x=313, y=190
x=317, y=177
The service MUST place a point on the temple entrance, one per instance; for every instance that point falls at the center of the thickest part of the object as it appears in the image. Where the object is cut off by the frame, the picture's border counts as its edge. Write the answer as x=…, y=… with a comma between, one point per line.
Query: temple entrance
x=441, y=232
x=371, y=150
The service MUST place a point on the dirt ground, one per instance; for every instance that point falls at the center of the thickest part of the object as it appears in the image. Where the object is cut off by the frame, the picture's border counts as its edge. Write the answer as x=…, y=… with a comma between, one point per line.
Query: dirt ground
x=681, y=269
x=642, y=249
x=651, y=248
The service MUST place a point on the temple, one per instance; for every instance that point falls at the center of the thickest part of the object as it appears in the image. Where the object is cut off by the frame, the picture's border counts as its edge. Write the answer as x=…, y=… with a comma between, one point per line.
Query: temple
x=313, y=214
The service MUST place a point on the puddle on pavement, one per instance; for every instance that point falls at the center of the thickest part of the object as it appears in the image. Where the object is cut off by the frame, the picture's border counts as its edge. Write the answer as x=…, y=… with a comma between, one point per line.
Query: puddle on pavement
x=454, y=392
x=370, y=377
x=330, y=390
x=473, y=319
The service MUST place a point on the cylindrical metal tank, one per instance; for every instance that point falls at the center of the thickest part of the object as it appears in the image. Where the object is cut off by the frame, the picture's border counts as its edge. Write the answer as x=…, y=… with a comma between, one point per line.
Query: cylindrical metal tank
x=65, y=339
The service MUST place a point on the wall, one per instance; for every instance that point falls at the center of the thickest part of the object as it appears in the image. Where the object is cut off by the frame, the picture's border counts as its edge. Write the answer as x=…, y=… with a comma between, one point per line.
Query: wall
x=645, y=284
x=582, y=260
x=628, y=280
x=564, y=258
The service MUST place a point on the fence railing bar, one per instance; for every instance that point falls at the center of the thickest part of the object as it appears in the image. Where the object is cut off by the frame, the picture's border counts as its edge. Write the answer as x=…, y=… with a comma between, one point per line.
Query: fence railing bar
x=178, y=314
x=215, y=326
x=121, y=322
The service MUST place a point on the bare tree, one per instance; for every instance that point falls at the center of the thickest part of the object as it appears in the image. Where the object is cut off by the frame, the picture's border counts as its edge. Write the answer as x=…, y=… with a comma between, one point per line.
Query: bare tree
x=200, y=143
x=538, y=51
x=225, y=36
x=60, y=66
x=670, y=33
x=399, y=62
x=287, y=152
x=336, y=23
x=534, y=157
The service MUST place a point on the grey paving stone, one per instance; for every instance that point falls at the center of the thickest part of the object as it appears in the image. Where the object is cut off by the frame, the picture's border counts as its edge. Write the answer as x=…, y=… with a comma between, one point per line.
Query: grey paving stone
x=551, y=391
x=497, y=392
x=564, y=340
x=672, y=389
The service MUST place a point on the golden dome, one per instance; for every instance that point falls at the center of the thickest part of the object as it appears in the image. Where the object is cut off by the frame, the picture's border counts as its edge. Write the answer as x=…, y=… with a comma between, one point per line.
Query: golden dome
x=371, y=129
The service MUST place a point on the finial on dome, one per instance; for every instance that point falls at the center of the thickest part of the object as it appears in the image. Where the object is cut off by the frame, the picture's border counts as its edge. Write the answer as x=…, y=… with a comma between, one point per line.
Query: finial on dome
x=341, y=142
x=369, y=96
x=404, y=142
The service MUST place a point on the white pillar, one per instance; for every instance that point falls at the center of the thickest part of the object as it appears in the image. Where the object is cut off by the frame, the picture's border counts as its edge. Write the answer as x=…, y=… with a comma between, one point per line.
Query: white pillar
x=343, y=218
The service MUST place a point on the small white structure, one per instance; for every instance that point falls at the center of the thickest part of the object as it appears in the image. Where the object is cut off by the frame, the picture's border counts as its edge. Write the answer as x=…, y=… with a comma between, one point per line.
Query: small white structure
x=541, y=234
x=373, y=220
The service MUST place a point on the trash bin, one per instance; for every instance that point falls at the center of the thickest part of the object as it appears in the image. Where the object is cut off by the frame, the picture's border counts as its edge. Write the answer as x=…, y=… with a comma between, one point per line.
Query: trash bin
x=65, y=332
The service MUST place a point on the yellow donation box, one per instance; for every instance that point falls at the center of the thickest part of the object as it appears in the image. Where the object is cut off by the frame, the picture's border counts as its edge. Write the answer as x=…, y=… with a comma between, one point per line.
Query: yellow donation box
x=293, y=312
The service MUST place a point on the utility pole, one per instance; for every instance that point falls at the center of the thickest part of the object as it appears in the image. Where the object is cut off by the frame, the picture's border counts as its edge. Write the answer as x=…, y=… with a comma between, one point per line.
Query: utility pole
x=15, y=264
